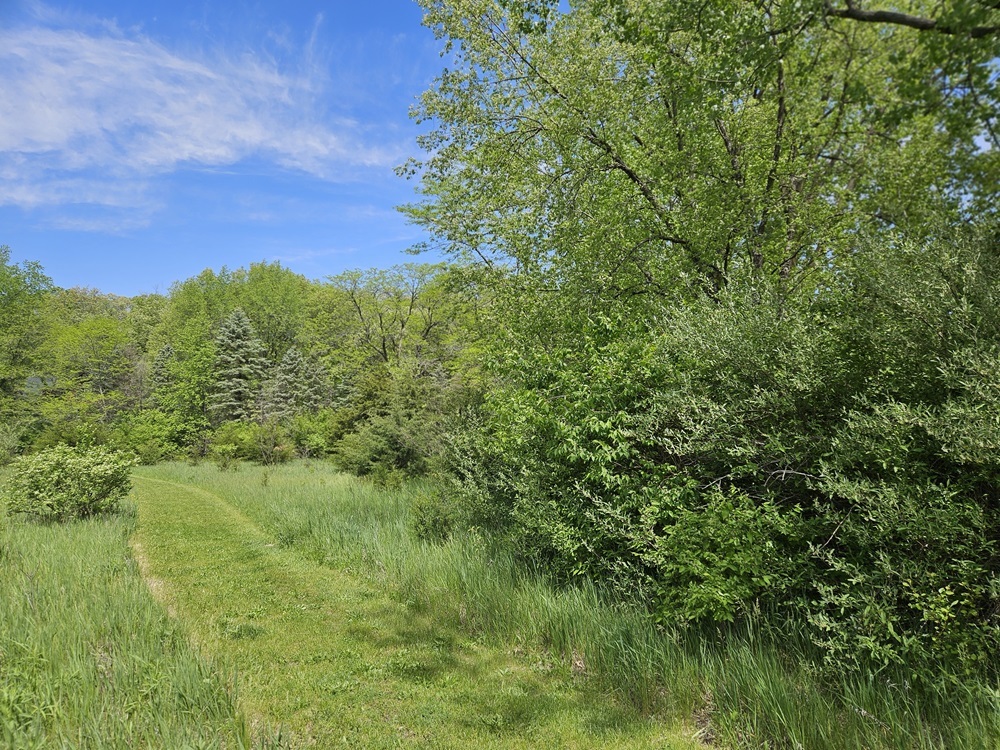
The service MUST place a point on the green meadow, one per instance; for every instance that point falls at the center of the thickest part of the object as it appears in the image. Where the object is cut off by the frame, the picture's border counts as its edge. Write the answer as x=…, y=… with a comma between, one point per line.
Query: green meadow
x=88, y=658
x=293, y=606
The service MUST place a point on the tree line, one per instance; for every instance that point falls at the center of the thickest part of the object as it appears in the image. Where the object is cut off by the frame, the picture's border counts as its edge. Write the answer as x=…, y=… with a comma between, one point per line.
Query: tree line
x=257, y=363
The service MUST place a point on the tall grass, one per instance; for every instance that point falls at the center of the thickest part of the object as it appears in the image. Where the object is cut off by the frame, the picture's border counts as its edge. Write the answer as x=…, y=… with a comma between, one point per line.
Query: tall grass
x=739, y=686
x=88, y=659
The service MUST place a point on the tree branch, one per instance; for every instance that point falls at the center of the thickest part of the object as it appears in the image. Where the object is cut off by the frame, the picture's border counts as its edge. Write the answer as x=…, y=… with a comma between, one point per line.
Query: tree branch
x=904, y=19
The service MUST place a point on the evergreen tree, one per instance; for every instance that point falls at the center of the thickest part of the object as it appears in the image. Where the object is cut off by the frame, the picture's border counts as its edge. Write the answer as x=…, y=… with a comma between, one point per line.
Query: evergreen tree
x=240, y=364
x=160, y=377
x=297, y=387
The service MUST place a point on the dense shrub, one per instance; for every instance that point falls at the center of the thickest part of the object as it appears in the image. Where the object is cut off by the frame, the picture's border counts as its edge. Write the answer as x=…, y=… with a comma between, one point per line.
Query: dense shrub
x=63, y=482
x=267, y=443
x=313, y=434
x=832, y=457
x=435, y=514
x=153, y=436
x=378, y=445
x=13, y=433
x=78, y=431
x=397, y=431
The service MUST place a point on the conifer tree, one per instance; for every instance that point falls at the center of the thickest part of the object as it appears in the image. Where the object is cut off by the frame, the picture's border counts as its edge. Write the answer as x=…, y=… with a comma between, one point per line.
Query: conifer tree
x=160, y=377
x=240, y=364
x=297, y=387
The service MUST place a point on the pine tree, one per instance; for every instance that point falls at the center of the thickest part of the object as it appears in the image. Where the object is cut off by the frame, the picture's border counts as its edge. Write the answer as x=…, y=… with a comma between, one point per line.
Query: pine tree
x=297, y=387
x=240, y=364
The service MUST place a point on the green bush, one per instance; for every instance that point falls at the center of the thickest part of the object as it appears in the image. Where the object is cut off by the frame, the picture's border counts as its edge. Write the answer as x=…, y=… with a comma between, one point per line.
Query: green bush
x=313, y=434
x=371, y=445
x=435, y=515
x=153, y=435
x=833, y=458
x=267, y=443
x=80, y=432
x=398, y=415
x=63, y=482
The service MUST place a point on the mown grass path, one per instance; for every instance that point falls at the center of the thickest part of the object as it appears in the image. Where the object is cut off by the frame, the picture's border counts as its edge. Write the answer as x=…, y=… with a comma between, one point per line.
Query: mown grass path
x=334, y=660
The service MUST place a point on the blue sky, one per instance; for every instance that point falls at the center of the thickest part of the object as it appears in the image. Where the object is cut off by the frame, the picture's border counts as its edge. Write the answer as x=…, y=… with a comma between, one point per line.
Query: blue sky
x=143, y=142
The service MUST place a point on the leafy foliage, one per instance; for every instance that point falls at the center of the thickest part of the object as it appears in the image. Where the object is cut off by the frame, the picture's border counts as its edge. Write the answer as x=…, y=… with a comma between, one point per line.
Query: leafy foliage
x=831, y=459
x=22, y=289
x=741, y=357
x=263, y=442
x=62, y=483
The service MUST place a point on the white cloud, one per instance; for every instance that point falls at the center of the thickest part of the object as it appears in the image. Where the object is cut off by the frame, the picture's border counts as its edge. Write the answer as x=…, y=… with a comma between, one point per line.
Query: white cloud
x=93, y=116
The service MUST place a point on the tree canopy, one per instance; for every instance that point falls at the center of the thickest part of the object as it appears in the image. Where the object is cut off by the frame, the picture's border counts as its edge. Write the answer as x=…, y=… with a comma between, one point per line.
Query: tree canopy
x=739, y=260
x=630, y=148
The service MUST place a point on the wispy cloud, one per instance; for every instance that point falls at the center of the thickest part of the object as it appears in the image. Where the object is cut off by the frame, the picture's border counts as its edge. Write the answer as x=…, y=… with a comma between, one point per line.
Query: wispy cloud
x=104, y=224
x=92, y=114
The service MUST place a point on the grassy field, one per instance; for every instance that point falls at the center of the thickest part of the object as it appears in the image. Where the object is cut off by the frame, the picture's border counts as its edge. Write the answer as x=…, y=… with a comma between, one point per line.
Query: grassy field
x=423, y=615
x=88, y=659
x=330, y=650
x=305, y=593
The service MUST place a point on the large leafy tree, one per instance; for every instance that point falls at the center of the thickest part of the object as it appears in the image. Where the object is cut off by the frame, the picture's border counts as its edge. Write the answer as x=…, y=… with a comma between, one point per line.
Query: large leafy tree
x=393, y=313
x=23, y=287
x=629, y=148
x=274, y=299
x=92, y=363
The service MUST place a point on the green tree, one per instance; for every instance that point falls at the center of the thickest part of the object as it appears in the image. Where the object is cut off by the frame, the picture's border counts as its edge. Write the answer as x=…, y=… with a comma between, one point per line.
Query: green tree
x=184, y=389
x=239, y=369
x=274, y=299
x=161, y=378
x=92, y=373
x=297, y=388
x=143, y=316
x=23, y=290
x=392, y=312
x=23, y=287
x=631, y=150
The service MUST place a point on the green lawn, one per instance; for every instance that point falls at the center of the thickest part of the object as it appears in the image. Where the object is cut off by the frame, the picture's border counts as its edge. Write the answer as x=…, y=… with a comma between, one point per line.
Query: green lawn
x=328, y=651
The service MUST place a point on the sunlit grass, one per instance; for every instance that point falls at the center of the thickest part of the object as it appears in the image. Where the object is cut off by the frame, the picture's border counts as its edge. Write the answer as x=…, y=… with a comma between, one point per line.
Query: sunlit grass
x=284, y=574
x=741, y=689
x=343, y=625
x=88, y=659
